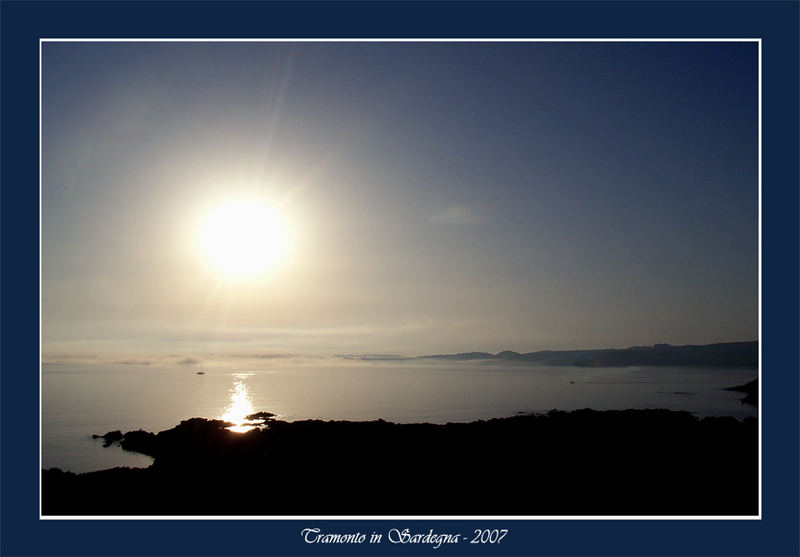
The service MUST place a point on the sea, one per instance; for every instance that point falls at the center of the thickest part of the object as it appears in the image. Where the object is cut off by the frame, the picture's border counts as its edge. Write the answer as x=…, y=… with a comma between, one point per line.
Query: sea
x=79, y=400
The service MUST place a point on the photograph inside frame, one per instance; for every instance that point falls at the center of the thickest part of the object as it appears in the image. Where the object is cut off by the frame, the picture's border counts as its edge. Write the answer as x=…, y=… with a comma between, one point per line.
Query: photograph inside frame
x=400, y=278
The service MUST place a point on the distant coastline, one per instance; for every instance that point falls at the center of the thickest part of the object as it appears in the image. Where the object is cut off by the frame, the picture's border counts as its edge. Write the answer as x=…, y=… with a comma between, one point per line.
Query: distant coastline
x=734, y=354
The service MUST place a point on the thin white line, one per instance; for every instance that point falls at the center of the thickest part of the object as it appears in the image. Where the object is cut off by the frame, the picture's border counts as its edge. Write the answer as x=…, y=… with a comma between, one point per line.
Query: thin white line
x=403, y=517
x=412, y=517
x=397, y=40
x=40, y=278
x=760, y=339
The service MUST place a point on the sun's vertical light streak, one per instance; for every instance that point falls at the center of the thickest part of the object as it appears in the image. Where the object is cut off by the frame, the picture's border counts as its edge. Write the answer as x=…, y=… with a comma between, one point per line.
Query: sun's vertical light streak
x=240, y=406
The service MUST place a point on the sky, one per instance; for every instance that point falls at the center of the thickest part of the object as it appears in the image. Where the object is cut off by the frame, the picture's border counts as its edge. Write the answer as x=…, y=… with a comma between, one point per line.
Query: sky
x=426, y=198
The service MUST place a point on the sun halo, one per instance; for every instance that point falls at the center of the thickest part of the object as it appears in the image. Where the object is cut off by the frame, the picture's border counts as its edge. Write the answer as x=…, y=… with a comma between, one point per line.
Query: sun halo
x=243, y=239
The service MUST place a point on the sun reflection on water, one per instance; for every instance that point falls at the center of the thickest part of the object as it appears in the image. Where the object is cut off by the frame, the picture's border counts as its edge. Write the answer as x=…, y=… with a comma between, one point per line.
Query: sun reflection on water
x=240, y=406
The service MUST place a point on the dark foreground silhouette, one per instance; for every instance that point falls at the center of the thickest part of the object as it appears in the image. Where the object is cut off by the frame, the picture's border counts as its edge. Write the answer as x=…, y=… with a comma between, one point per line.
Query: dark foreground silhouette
x=751, y=389
x=632, y=462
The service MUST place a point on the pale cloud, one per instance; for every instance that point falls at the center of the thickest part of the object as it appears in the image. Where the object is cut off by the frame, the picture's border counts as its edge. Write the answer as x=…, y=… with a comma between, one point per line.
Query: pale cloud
x=457, y=214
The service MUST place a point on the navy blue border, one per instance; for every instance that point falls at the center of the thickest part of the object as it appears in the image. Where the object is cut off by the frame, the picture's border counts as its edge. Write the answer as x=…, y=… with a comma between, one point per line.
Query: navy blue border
x=23, y=23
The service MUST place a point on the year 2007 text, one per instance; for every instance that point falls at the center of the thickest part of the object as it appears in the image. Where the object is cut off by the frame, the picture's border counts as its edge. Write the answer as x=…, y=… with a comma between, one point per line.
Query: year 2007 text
x=488, y=536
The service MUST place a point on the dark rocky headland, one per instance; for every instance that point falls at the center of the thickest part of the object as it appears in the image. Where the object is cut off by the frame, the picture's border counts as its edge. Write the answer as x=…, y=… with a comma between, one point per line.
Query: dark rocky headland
x=751, y=389
x=631, y=462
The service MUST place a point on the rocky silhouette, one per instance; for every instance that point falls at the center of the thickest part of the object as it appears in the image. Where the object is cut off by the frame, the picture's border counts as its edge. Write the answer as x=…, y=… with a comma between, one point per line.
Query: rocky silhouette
x=632, y=462
x=110, y=438
x=751, y=389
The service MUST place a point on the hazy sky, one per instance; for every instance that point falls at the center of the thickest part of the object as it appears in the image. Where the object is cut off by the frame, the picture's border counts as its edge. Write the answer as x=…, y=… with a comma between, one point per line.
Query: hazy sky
x=436, y=197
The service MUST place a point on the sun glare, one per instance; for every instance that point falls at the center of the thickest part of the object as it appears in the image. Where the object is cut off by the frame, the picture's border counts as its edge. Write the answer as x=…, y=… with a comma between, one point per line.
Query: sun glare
x=243, y=239
x=240, y=406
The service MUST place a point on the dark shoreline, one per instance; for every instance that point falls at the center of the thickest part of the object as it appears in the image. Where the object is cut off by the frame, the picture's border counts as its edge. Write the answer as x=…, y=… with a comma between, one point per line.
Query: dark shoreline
x=585, y=462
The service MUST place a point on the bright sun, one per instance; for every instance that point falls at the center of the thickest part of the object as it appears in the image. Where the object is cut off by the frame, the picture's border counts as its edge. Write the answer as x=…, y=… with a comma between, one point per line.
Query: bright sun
x=243, y=238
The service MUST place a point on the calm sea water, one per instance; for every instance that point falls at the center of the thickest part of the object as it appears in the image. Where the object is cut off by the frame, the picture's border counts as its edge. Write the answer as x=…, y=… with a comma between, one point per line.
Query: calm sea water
x=78, y=401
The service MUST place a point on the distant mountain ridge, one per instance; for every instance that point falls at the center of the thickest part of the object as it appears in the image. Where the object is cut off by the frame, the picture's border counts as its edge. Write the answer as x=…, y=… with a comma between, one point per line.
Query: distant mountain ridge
x=739, y=354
